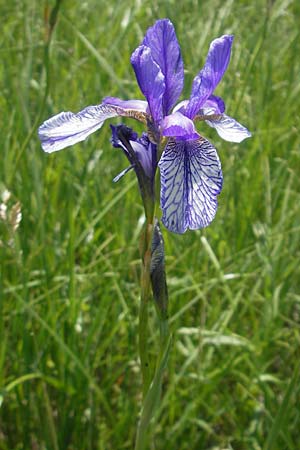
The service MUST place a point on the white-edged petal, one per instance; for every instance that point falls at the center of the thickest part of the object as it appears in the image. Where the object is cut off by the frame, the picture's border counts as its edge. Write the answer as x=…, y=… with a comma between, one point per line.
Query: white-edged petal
x=191, y=179
x=229, y=129
x=67, y=128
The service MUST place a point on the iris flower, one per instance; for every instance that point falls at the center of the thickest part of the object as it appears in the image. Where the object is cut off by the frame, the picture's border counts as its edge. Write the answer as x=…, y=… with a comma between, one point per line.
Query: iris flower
x=190, y=169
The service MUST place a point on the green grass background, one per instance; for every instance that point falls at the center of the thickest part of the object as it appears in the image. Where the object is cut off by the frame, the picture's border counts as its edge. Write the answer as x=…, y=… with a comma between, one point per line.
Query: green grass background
x=69, y=286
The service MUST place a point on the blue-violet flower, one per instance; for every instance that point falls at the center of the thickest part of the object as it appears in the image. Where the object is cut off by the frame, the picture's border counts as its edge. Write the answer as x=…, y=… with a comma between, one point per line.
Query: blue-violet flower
x=190, y=169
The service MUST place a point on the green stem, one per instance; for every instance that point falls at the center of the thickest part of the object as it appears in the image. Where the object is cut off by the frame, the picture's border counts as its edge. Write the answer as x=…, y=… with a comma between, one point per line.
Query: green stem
x=144, y=313
x=153, y=287
x=154, y=393
x=146, y=186
x=152, y=386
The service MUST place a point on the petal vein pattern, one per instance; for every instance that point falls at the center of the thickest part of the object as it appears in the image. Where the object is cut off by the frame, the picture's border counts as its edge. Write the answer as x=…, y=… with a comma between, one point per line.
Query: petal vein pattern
x=67, y=128
x=229, y=129
x=191, y=179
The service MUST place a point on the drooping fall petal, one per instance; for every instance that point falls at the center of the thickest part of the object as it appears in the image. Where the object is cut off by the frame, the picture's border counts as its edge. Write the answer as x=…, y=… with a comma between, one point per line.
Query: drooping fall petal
x=191, y=179
x=229, y=129
x=67, y=128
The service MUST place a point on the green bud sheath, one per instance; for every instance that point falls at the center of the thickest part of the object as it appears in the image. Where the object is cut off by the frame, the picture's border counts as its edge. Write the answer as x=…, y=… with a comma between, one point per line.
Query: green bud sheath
x=157, y=272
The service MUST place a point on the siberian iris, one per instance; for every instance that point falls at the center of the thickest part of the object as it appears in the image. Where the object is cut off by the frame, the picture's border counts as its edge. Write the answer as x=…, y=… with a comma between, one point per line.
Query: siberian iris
x=190, y=169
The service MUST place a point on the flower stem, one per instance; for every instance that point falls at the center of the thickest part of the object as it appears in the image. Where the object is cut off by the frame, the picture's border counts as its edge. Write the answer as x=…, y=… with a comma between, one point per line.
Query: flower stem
x=146, y=240
x=146, y=186
x=153, y=395
x=153, y=287
x=153, y=282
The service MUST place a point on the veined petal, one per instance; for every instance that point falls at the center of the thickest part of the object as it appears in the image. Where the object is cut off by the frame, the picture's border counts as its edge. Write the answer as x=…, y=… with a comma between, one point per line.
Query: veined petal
x=229, y=129
x=191, y=179
x=150, y=79
x=208, y=78
x=179, y=126
x=67, y=128
x=165, y=51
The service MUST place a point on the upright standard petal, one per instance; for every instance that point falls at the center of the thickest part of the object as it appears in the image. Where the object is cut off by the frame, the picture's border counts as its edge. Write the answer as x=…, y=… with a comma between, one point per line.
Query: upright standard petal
x=208, y=78
x=150, y=79
x=229, y=129
x=165, y=51
x=191, y=179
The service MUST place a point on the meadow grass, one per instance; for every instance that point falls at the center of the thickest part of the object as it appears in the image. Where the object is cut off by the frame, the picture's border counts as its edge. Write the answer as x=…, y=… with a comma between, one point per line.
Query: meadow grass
x=69, y=282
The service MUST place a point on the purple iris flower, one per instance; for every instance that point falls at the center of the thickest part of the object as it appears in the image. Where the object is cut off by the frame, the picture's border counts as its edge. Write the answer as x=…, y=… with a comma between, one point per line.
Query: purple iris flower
x=190, y=169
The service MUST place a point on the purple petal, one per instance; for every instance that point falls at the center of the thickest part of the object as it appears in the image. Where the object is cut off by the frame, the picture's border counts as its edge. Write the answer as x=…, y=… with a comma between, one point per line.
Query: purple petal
x=208, y=78
x=229, y=129
x=127, y=132
x=165, y=51
x=143, y=148
x=179, y=126
x=150, y=80
x=181, y=106
x=146, y=153
x=67, y=128
x=191, y=179
x=137, y=105
x=215, y=104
